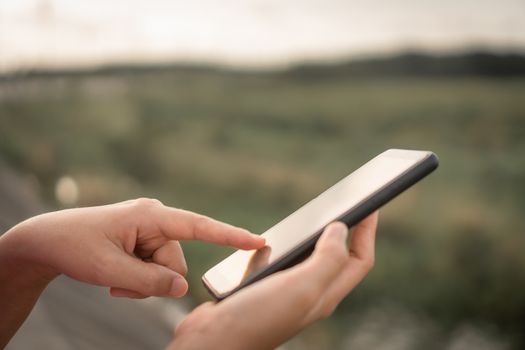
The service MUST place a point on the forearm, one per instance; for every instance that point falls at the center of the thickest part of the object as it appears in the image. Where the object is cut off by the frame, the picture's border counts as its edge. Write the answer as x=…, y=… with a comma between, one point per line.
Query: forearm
x=21, y=283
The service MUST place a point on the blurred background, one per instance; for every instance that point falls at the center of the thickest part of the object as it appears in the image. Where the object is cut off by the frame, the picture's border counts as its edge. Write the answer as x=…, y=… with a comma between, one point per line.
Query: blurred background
x=244, y=111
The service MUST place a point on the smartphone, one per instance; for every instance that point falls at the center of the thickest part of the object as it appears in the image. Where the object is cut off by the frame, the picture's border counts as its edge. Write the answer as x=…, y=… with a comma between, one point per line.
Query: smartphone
x=350, y=200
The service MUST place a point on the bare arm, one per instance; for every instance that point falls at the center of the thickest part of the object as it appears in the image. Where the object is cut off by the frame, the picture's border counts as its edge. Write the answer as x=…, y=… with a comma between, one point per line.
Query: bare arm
x=130, y=247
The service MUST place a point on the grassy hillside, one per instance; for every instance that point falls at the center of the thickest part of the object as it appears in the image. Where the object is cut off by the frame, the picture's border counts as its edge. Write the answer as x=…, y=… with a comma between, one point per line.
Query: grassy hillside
x=251, y=148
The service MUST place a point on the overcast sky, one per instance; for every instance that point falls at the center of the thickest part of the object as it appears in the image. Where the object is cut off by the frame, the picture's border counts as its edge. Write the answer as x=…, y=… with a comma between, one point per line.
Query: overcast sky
x=246, y=32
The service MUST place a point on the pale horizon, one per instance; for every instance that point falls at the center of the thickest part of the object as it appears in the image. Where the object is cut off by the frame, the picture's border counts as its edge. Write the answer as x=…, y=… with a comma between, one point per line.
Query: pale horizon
x=252, y=33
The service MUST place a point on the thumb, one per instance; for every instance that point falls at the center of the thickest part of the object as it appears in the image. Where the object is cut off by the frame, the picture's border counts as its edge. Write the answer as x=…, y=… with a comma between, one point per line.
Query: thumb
x=330, y=254
x=132, y=277
x=333, y=242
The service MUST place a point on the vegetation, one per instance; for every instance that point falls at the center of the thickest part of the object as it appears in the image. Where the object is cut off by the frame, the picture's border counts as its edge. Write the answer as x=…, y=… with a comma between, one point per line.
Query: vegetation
x=251, y=147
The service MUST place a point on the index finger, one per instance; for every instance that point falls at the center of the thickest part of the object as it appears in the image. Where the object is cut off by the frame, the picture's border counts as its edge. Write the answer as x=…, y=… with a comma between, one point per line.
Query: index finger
x=185, y=225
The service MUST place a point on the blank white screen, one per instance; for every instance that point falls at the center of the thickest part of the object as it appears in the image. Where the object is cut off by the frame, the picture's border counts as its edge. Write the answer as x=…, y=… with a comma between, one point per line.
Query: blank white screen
x=316, y=214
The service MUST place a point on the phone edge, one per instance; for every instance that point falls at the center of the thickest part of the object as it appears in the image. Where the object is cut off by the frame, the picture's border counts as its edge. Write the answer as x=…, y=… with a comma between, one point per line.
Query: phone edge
x=375, y=202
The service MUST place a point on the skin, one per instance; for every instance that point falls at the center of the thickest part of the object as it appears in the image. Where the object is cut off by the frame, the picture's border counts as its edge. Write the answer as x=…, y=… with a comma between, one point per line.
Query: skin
x=270, y=312
x=132, y=248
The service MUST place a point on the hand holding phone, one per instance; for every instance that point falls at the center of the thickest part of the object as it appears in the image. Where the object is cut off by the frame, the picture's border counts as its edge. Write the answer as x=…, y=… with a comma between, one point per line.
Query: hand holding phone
x=268, y=313
x=350, y=200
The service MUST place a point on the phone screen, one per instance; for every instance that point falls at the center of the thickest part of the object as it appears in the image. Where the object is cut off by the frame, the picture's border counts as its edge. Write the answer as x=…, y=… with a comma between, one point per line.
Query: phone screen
x=311, y=218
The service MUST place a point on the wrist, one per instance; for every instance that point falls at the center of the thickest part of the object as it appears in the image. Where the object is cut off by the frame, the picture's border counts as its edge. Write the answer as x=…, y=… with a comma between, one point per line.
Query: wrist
x=19, y=259
x=22, y=282
x=207, y=328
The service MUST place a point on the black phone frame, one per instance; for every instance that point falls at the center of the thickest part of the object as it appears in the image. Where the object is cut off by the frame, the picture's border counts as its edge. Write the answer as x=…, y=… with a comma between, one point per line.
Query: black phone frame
x=350, y=218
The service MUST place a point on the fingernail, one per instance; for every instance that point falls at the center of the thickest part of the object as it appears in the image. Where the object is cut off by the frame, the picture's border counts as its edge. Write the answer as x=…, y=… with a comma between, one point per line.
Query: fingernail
x=340, y=229
x=178, y=286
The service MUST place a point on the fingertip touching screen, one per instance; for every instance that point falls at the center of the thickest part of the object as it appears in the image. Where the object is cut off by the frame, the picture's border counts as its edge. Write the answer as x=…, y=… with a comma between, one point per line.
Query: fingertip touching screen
x=311, y=218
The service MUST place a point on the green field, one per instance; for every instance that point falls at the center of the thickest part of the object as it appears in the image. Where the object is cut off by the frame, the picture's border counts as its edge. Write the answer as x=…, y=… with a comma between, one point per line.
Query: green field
x=250, y=148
